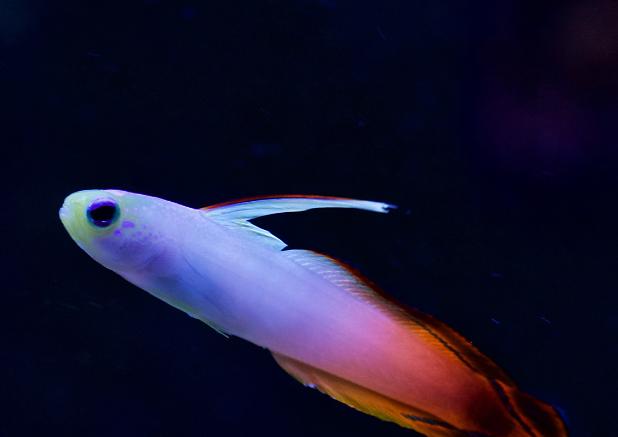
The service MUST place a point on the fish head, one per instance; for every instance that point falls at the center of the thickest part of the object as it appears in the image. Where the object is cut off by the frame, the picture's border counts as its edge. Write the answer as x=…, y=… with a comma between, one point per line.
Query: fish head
x=123, y=231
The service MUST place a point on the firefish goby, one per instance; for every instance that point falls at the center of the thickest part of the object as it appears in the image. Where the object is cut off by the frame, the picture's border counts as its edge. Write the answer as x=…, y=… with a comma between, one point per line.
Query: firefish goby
x=324, y=324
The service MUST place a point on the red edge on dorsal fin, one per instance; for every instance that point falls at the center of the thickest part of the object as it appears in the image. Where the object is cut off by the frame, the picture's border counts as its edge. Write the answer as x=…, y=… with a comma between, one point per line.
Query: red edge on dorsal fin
x=273, y=196
x=534, y=416
x=456, y=343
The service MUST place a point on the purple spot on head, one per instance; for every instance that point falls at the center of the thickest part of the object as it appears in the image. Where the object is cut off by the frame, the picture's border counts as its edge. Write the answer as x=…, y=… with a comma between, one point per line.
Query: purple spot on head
x=128, y=224
x=117, y=232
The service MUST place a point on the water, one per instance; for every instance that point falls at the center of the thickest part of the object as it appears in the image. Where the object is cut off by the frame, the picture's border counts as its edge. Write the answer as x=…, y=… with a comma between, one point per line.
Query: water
x=492, y=126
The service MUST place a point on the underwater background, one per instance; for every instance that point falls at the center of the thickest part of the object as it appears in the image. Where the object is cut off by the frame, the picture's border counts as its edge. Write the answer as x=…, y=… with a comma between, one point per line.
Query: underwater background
x=493, y=125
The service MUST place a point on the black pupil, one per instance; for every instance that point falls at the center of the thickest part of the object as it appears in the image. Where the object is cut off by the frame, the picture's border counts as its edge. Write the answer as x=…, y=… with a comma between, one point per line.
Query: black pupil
x=102, y=214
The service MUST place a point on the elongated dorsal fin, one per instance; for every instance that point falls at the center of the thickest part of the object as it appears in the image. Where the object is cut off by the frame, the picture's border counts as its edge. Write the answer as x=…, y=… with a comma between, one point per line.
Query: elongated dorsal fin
x=236, y=214
x=430, y=329
x=254, y=207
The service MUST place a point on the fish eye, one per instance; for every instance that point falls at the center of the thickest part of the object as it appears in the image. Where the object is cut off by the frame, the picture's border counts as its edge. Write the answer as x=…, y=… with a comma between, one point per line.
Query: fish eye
x=102, y=213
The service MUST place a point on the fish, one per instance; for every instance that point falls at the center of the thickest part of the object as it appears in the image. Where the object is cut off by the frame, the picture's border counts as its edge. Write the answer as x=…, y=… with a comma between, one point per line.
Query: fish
x=324, y=323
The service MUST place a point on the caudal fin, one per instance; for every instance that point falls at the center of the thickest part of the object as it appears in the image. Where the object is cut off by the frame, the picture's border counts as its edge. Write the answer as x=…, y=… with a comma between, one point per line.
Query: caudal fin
x=535, y=417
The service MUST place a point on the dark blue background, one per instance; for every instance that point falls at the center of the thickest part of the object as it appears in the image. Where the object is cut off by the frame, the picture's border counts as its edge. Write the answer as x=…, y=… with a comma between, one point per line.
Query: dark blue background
x=493, y=124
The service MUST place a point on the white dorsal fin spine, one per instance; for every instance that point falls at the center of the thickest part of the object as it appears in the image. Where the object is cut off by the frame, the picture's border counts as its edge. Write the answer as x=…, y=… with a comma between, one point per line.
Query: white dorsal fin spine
x=237, y=214
x=259, y=207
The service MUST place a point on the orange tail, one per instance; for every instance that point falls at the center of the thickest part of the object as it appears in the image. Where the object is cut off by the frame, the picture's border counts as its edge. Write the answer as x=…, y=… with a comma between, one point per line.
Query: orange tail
x=490, y=406
x=536, y=418
x=531, y=417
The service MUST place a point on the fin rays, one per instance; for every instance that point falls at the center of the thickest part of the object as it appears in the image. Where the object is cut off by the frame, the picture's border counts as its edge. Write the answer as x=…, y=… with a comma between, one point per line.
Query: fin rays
x=427, y=326
x=236, y=214
x=534, y=418
x=370, y=402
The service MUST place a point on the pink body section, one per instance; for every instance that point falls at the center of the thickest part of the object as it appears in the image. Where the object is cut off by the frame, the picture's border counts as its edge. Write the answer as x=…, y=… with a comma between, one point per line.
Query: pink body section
x=274, y=302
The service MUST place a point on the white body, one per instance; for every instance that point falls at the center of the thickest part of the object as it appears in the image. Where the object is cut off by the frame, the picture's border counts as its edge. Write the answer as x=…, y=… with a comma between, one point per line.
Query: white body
x=229, y=280
x=219, y=268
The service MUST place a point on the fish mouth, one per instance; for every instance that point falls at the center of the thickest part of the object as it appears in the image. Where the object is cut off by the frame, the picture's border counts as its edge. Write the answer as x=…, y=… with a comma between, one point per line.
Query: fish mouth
x=63, y=213
x=67, y=217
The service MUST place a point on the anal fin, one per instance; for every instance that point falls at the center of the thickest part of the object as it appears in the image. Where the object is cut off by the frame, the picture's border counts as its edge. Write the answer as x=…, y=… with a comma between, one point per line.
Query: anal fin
x=368, y=401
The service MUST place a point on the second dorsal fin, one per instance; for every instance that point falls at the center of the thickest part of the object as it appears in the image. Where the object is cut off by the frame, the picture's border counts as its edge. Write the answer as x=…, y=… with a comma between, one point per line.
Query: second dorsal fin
x=431, y=330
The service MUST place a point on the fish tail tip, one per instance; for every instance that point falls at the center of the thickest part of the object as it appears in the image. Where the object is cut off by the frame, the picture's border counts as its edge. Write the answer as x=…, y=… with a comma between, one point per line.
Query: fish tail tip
x=539, y=417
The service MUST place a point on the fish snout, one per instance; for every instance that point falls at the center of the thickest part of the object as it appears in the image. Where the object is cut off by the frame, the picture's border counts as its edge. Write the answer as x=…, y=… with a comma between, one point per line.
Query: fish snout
x=74, y=213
